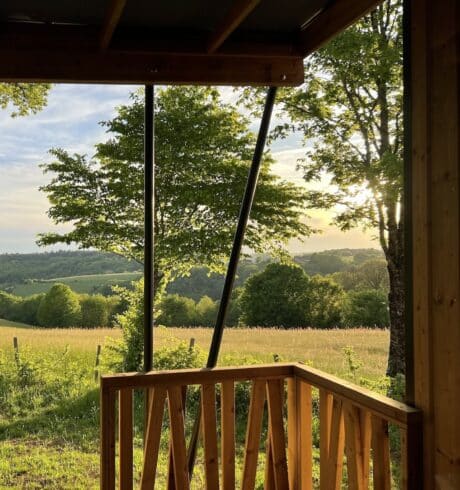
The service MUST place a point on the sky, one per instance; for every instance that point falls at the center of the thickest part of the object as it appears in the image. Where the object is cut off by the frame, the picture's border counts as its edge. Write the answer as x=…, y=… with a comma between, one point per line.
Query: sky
x=70, y=121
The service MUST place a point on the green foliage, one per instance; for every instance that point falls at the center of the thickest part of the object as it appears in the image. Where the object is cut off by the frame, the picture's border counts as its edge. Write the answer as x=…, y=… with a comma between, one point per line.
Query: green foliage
x=276, y=297
x=95, y=311
x=26, y=98
x=203, y=151
x=177, y=310
x=25, y=271
x=368, y=307
x=325, y=303
x=59, y=308
x=206, y=312
x=28, y=309
x=283, y=295
x=127, y=354
x=372, y=274
x=19, y=309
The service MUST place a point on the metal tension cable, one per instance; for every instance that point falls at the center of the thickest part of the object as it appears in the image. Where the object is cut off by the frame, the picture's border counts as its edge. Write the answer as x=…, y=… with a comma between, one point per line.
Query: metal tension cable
x=243, y=218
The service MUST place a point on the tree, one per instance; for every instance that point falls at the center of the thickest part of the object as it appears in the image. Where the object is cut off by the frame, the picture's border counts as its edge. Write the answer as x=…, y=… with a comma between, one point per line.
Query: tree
x=59, y=308
x=206, y=312
x=350, y=107
x=177, y=311
x=26, y=98
x=276, y=297
x=325, y=299
x=366, y=308
x=372, y=274
x=94, y=311
x=203, y=150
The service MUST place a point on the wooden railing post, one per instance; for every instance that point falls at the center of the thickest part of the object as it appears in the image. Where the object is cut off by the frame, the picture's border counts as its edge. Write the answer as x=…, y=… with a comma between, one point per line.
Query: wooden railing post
x=412, y=454
x=107, y=437
x=299, y=434
x=125, y=437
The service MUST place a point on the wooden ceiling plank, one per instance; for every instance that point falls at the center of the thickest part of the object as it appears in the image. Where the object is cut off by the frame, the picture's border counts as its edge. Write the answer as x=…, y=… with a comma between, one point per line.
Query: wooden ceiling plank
x=235, y=16
x=112, y=18
x=123, y=67
x=332, y=20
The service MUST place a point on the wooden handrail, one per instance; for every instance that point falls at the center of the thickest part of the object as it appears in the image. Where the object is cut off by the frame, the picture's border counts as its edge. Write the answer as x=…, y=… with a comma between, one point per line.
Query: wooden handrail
x=353, y=422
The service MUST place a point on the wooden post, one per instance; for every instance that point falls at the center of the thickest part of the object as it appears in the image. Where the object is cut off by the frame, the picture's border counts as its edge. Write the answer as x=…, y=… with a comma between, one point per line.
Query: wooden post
x=96, y=364
x=191, y=345
x=16, y=351
x=435, y=171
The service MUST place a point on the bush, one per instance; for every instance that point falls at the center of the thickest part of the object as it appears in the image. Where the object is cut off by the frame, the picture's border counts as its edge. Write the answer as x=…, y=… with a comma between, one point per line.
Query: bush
x=9, y=305
x=59, y=308
x=276, y=297
x=177, y=311
x=325, y=300
x=206, y=312
x=368, y=308
x=28, y=309
x=94, y=311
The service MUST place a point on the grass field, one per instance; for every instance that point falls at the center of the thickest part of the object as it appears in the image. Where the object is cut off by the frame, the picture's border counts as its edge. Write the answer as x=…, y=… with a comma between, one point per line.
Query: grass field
x=49, y=400
x=80, y=284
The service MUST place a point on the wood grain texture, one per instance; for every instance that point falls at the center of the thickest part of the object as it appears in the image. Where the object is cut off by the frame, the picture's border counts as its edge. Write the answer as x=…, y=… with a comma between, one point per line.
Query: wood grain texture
x=277, y=437
x=209, y=428
x=381, y=454
x=107, y=403
x=125, y=438
x=179, y=453
x=228, y=435
x=153, y=436
x=251, y=452
x=239, y=10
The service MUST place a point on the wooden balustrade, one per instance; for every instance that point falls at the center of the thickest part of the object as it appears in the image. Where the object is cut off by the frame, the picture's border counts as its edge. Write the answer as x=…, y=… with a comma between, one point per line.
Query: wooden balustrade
x=353, y=430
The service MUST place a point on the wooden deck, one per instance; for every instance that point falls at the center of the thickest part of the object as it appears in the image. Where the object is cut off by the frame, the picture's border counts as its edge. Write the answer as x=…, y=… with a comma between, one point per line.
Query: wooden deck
x=353, y=429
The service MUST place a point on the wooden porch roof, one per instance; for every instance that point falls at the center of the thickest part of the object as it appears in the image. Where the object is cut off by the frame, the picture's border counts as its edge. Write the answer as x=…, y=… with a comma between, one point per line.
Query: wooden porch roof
x=250, y=42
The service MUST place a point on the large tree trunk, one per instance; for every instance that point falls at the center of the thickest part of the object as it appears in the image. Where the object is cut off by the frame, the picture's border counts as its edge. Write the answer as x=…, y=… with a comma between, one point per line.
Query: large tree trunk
x=396, y=299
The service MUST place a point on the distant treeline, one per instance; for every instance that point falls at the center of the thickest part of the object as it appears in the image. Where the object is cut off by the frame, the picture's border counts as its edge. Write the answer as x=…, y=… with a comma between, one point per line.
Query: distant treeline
x=201, y=283
x=17, y=268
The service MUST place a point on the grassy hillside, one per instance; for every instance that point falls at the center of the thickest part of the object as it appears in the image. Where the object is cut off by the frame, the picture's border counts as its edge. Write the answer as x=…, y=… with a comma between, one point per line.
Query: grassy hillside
x=91, y=283
x=17, y=268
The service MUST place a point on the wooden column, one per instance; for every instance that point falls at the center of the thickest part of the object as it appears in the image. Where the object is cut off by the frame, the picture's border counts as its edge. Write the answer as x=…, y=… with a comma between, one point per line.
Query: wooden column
x=435, y=129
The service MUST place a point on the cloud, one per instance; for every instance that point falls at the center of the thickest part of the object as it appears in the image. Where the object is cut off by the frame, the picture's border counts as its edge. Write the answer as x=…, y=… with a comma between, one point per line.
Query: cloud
x=71, y=121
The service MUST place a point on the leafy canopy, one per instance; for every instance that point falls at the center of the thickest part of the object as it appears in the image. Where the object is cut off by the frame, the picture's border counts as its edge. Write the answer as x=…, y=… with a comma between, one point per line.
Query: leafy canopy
x=26, y=98
x=203, y=151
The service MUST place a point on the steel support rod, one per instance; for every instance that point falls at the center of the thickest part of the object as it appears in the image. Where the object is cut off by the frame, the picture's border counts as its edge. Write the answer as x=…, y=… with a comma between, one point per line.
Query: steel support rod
x=149, y=178
x=245, y=210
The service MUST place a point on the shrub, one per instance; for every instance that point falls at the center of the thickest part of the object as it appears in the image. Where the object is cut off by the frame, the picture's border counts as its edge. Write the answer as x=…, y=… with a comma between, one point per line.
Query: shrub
x=94, y=311
x=177, y=311
x=325, y=300
x=28, y=309
x=59, y=308
x=276, y=297
x=206, y=312
x=9, y=305
x=368, y=307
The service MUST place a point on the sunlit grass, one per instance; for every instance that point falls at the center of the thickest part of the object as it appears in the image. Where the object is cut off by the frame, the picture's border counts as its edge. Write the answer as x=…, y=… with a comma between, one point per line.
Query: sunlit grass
x=324, y=349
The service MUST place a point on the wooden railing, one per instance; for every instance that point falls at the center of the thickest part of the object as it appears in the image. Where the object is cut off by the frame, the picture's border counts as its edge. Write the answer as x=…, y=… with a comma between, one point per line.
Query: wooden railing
x=353, y=422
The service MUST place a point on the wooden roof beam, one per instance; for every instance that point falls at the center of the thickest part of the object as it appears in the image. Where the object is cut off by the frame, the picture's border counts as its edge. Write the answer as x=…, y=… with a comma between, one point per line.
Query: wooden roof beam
x=340, y=15
x=127, y=67
x=112, y=18
x=236, y=15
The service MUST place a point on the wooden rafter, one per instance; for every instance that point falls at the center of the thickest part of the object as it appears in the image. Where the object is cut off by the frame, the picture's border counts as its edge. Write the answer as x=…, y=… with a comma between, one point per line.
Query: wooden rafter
x=340, y=15
x=112, y=18
x=235, y=16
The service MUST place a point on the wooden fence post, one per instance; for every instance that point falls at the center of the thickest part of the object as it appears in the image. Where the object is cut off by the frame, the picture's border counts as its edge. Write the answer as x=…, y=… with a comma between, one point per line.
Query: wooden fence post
x=96, y=371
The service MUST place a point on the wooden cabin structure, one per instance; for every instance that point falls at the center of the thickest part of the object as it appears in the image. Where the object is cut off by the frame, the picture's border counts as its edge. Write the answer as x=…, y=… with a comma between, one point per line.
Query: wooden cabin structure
x=264, y=42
